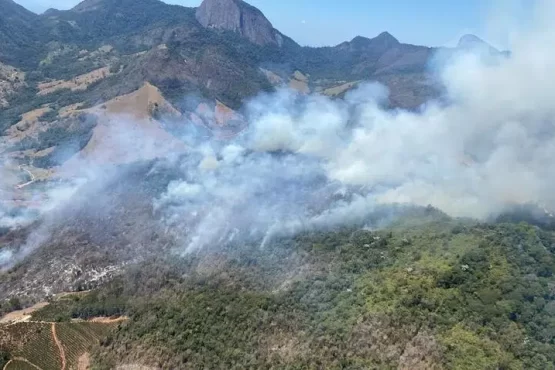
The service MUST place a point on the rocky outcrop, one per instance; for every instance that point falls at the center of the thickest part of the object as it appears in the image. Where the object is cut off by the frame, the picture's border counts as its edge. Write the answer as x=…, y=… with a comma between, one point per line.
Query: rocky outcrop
x=240, y=17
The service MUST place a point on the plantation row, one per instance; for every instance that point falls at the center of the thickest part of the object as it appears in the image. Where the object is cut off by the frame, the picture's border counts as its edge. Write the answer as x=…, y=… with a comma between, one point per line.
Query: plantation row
x=35, y=343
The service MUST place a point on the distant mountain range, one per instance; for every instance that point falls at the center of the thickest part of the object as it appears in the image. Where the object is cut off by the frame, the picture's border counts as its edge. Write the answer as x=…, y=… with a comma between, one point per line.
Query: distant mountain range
x=201, y=61
x=227, y=39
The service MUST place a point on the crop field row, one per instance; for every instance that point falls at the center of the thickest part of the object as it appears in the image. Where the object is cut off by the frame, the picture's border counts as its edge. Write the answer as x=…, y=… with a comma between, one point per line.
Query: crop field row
x=33, y=344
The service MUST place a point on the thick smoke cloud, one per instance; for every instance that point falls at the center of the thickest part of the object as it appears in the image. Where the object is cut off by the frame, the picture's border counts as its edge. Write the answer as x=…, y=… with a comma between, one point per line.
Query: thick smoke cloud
x=490, y=148
x=309, y=162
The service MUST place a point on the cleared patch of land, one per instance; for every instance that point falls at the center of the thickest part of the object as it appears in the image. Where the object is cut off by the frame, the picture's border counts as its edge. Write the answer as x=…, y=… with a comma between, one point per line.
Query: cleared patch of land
x=80, y=82
x=22, y=315
x=272, y=77
x=299, y=82
x=340, y=89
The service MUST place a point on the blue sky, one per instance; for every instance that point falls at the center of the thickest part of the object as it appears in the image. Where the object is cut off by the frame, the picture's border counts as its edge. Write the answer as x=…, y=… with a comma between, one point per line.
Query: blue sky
x=329, y=22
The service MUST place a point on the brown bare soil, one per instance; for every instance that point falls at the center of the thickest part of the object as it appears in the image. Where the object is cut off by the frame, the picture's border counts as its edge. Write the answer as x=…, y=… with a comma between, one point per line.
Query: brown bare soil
x=300, y=86
x=84, y=362
x=272, y=77
x=22, y=315
x=60, y=346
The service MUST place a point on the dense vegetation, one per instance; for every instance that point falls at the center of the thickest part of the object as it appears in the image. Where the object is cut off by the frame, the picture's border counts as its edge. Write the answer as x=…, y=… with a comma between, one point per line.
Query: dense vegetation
x=429, y=292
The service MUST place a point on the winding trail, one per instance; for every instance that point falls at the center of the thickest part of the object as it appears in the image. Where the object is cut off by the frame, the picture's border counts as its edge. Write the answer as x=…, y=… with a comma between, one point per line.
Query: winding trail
x=60, y=346
x=21, y=359
x=21, y=186
x=84, y=360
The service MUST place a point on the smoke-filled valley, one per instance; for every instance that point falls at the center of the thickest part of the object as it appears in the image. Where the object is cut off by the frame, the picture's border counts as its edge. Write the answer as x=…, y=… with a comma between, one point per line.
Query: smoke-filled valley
x=301, y=230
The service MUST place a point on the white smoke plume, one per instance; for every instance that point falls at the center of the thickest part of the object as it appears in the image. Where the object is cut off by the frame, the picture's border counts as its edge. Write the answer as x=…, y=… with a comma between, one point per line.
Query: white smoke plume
x=491, y=147
x=313, y=162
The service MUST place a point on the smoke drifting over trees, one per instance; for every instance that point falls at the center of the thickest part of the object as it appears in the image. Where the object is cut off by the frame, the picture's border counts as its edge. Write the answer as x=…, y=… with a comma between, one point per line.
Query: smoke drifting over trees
x=311, y=162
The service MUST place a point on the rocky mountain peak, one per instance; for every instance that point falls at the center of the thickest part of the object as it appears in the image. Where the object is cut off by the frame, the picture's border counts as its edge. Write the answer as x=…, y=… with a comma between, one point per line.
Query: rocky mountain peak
x=384, y=41
x=386, y=38
x=474, y=42
x=240, y=17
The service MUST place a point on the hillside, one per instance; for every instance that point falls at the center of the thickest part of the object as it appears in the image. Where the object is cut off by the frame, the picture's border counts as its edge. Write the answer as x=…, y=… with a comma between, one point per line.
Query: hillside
x=427, y=293
x=432, y=294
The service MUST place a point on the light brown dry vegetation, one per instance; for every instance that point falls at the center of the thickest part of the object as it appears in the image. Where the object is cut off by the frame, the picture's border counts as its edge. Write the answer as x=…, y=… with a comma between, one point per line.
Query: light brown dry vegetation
x=69, y=110
x=272, y=77
x=126, y=132
x=77, y=83
x=29, y=124
x=299, y=82
x=340, y=89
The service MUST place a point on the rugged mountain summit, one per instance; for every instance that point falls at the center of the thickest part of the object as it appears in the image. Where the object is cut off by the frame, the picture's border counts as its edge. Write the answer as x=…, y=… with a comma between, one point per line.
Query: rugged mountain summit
x=240, y=17
x=473, y=42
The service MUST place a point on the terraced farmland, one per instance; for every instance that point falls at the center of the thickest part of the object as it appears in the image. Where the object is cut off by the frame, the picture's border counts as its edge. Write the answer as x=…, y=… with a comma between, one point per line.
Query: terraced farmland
x=19, y=365
x=32, y=341
x=46, y=345
x=77, y=338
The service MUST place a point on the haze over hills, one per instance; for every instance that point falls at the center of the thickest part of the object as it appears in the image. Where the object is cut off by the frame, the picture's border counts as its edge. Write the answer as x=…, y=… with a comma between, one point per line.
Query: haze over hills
x=186, y=188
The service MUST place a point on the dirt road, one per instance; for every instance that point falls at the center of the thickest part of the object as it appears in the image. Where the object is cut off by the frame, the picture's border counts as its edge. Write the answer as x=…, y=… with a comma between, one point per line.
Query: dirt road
x=21, y=186
x=60, y=346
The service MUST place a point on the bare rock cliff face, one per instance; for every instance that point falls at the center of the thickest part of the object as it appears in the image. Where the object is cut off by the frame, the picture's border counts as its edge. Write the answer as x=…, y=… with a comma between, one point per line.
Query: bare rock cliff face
x=240, y=17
